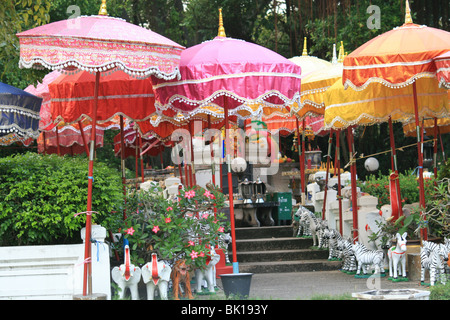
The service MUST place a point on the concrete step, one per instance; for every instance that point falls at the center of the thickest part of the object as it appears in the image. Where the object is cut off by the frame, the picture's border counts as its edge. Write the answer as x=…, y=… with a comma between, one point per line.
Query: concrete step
x=264, y=232
x=266, y=244
x=281, y=255
x=289, y=266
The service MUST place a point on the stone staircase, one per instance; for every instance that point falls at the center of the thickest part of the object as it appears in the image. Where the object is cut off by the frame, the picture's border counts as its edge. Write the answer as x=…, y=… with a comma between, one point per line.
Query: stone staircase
x=274, y=249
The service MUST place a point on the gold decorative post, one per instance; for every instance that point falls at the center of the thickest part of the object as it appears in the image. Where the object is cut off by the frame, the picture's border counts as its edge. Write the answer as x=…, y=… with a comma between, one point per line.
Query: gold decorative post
x=103, y=11
x=221, y=28
x=305, y=50
x=341, y=53
x=408, y=19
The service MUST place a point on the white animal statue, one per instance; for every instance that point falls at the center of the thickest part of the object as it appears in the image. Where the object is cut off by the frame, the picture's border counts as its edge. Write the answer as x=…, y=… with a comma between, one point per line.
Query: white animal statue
x=347, y=256
x=208, y=273
x=127, y=276
x=224, y=241
x=156, y=273
x=432, y=257
x=366, y=257
x=313, y=224
x=303, y=228
x=333, y=237
x=397, y=257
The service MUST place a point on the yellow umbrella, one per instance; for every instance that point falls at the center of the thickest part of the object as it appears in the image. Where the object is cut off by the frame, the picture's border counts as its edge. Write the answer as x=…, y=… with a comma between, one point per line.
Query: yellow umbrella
x=315, y=84
x=377, y=103
x=309, y=63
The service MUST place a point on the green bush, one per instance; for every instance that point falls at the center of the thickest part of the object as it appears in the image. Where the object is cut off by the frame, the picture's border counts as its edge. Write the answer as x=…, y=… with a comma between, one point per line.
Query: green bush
x=378, y=186
x=440, y=292
x=41, y=193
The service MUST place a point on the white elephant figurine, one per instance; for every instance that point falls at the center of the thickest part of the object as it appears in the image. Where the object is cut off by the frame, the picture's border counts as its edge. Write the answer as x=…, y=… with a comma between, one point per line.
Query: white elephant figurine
x=156, y=273
x=208, y=273
x=127, y=276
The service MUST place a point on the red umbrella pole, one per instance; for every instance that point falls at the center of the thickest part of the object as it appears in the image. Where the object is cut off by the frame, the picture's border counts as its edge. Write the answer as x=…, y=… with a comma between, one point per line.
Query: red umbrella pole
x=330, y=140
x=423, y=231
x=300, y=159
x=435, y=143
x=122, y=161
x=84, y=137
x=140, y=156
x=87, y=277
x=228, y=148
x=353, y=184
x=398, y=205
x=338, y=168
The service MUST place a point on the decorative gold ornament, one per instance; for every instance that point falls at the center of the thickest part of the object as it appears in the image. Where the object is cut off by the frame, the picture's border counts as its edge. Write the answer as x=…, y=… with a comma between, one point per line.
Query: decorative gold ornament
x=221, y=28
x=103, y=11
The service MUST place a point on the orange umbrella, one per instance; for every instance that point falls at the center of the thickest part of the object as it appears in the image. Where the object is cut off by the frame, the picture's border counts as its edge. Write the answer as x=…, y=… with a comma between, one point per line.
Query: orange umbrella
x=443, y=69
x=398, y=58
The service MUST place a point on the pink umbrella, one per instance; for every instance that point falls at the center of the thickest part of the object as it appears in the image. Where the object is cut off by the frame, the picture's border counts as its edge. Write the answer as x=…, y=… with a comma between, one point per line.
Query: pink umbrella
x=97, y=44
x=240, y=77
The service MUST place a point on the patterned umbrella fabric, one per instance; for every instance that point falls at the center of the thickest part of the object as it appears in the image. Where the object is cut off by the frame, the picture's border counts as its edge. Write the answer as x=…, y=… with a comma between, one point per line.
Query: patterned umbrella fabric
x=398, y=58
x=241, y=78
x=315, y=84
x=443, y=69
x=19, y=120
x=98, y=44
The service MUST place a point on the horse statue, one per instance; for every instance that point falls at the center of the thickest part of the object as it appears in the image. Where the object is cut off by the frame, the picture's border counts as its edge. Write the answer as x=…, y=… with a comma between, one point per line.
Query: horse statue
x=397, y=258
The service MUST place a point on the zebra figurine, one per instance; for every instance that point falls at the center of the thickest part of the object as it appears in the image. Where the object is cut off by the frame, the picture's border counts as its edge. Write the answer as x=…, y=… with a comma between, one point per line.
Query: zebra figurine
x=366, y=257
x=432, y=257
x=303, y=228
x=322, y=231
x=224, y=241
x=314, y=225
x=333, y=237
x=347, y=256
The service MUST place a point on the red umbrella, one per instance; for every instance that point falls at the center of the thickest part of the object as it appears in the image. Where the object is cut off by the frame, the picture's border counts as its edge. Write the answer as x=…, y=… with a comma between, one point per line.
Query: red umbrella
x=236, y=76
x=99, y=43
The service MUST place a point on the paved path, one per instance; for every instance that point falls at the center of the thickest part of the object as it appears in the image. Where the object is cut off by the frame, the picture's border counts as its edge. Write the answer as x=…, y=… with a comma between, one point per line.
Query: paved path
x=304, y=285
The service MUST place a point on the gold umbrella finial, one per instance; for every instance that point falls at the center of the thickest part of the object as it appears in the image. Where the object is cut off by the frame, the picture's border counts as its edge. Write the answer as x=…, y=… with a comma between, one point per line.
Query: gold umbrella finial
x=221, y=28
x=305, y=50
x=341, y=53
x=408, y=19
x=103, y=11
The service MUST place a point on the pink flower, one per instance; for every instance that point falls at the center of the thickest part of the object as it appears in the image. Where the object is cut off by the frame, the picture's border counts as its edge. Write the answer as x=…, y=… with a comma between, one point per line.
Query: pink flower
x=205, y=216
x=221, y=229
x=191, y=243
x=130, y=231
x=208, y=194
x=193, y=255
x=169, y=208
x=155, y=229
x=189, y=194
x=168, y=220
x=202, y=254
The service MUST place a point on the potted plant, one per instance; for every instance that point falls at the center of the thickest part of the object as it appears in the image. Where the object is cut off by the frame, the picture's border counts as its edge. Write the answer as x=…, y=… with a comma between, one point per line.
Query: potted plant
x=183, y=227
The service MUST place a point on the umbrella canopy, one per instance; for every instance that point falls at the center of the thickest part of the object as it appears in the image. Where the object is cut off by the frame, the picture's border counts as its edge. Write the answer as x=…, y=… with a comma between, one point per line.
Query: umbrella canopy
x=409, y=129
x=309, y=63
x=443, y=69
x=378, y=103
x=240, y=77
x=69, y=141
x=19, y=115
x=100, y=43
x=398, y=58
x=315, y=84
x=97, y=44
x=287, y=125
x=72, y=97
